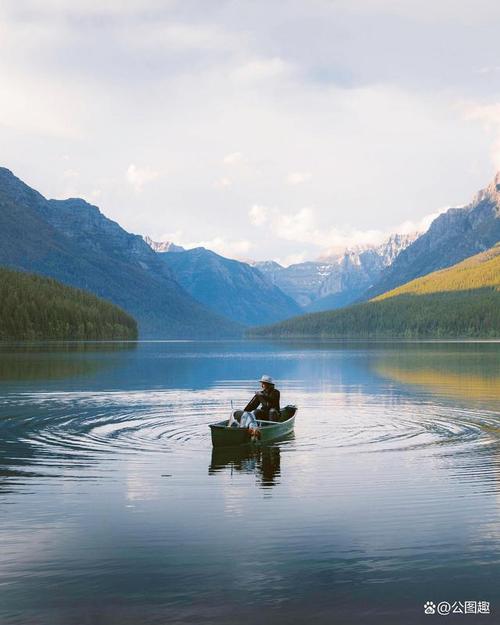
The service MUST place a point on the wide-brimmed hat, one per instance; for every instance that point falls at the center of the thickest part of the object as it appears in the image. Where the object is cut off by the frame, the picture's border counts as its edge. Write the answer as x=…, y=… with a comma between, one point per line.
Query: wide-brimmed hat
x=267, y=379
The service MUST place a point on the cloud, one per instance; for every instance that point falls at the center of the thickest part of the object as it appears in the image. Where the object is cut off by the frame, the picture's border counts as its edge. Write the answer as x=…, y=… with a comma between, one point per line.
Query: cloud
x=421, y=225
x=238, y=249
x=222, y=183
x=173, y=237
x=298, y=177
x=233, y=159
x=292, y=259
x=71, y=173
x=489, y=116
x=254, y=97
x=139, y=176
x=59, y=109
x=258, y=214
x=182, y=37
x=302, y=227
x=299, y=226
x=260, y=70
x=492, y=69
x=79, y=8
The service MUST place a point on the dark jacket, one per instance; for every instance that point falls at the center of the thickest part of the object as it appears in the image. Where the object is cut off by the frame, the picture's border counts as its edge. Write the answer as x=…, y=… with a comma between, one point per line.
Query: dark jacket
x=267, y=400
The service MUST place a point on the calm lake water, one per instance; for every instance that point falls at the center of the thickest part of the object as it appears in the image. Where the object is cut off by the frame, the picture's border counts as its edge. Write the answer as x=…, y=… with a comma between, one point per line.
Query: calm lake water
x=115, y=510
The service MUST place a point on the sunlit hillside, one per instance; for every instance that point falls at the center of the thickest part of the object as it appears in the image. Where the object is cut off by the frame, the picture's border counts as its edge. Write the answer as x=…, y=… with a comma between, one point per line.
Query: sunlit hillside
x=478, y=272
x=459, y=302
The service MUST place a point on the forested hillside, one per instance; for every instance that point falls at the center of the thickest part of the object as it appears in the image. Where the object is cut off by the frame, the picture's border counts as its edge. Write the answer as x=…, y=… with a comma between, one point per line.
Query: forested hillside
x=458, y=302
x=35, y=307
x=478, y=272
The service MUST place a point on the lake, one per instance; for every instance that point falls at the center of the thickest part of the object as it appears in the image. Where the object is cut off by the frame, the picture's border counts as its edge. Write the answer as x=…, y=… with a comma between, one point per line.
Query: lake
x=115, y=510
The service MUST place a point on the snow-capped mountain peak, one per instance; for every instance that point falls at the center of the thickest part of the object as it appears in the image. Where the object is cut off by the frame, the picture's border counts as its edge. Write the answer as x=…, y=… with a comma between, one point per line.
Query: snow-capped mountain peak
x=163, y=246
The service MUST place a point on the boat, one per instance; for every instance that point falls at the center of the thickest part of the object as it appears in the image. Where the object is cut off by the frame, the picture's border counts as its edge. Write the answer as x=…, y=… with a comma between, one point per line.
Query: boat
x=265, y=432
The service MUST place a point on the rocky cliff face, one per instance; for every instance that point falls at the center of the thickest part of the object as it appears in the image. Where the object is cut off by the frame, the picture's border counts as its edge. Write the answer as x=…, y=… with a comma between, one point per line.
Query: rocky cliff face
x=453, y=236
x=335, y=280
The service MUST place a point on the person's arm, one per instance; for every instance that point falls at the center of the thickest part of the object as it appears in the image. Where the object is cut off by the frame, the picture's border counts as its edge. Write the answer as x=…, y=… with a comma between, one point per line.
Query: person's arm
x=253, y=403
x=276, y=400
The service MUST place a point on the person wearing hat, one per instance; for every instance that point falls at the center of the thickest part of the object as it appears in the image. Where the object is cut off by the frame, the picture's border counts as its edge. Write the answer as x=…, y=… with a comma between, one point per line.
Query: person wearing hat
x=265, y=404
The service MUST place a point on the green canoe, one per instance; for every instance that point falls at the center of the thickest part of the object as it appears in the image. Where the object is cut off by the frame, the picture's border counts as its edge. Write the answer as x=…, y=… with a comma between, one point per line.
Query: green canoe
x=267, y=431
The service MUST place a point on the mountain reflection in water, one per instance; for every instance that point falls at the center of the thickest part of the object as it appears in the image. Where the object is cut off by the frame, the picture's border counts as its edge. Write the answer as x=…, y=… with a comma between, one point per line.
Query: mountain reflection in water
x=473, y=375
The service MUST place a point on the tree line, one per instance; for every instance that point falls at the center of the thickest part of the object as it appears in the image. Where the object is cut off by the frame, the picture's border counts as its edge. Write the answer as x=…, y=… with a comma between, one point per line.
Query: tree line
x=459, y=314
x=34, y=307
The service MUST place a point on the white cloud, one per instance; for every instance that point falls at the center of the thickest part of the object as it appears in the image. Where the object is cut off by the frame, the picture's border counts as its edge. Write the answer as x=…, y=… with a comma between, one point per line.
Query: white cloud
x=139, y=176
x=222, y=183
x=181, y=37
x=421, y=225
x=174, y=237
x=299, y=226
x=231, y=249
x=238, y=248
x=292, y=259
x=58, y=111
x=56, y=8
x=258, y=214
x=261, y=69
x=71, y=173
x=233, y=159
x=302, y=227
x=298, y=177
x=489, y=116
x=489, y=69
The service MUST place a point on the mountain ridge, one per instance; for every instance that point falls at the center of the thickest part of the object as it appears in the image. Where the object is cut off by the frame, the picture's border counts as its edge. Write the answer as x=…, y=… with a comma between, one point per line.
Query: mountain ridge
x=234, y=288
x=73, y=242
x=335, y=280
x=453, y=236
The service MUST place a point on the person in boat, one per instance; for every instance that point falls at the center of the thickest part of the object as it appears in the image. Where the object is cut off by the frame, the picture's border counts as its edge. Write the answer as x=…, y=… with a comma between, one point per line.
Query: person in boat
x=265, y=404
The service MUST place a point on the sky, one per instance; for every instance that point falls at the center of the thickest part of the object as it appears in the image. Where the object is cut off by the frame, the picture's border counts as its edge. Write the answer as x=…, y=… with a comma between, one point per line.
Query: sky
x=261, y=129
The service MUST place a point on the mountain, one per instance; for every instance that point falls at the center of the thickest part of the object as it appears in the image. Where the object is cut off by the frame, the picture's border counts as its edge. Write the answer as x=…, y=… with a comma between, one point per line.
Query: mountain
x=35, y=307
x=163, y=246
x=460, y=301
x=72, y=241
x=454, y=235
x=230, y=287
x=481, y=271
x=338, y=280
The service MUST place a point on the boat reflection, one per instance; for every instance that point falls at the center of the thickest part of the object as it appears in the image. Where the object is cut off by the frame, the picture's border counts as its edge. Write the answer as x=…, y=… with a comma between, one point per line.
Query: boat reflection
x=264, y=462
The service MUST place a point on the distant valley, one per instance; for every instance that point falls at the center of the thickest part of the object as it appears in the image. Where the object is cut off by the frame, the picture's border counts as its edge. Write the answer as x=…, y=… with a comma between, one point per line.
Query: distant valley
x=339, y=280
